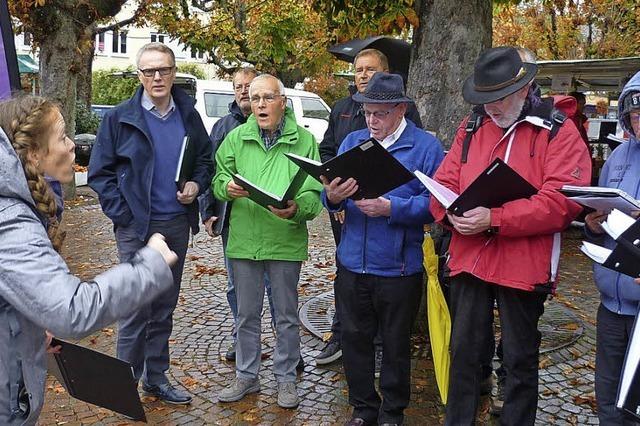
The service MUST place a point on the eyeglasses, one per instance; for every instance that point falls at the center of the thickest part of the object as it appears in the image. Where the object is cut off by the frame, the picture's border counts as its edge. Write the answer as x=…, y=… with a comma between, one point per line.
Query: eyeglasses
x=269, y=99
x=634, y=117
x=378, y=114
x=151, y=72
x=239, y=87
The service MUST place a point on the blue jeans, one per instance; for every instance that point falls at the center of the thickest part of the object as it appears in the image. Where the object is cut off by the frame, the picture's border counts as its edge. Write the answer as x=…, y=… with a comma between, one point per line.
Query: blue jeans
x=143, y=338
x=232, y=299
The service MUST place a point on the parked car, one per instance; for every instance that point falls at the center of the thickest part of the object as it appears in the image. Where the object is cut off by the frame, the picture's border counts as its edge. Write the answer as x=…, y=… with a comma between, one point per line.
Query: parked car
x=213, y=98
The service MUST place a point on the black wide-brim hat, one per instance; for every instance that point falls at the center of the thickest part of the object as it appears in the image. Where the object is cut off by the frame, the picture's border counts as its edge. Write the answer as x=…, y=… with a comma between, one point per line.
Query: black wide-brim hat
x=383, y=88
x=497, y=73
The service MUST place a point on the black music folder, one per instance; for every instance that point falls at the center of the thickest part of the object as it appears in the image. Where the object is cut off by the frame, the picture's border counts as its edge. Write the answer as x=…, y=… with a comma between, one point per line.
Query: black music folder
x=186, y=163
x=97, y=378
x=375, y=170
x=601, y=198
x=265, y=198
x=220, y=211
x=496, y=185
x=628, y=398
x=625, y=256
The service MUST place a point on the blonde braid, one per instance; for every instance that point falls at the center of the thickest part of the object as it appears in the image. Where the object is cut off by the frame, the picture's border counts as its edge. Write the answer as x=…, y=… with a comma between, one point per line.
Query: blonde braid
x=30, y=120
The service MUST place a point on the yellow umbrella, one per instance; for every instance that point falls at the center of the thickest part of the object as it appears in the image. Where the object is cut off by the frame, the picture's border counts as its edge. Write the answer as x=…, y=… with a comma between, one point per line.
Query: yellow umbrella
x=439, y=319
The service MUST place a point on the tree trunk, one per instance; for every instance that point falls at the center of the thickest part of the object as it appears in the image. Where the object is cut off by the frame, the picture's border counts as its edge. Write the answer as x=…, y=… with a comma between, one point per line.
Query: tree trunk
x=84, y=73
x=449, y=39
x=58, y=73
x=445, y=47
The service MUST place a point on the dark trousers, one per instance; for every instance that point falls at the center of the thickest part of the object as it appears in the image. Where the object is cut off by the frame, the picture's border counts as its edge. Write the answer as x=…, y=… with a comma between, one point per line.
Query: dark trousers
x=336, y=328
x=370, y=304
x=143, y=338
x=612, y=337
x=472, y=313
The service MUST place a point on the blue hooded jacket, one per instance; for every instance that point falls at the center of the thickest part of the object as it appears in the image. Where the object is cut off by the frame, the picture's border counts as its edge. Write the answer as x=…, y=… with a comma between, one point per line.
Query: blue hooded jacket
x=618, y=292
x=391, y=246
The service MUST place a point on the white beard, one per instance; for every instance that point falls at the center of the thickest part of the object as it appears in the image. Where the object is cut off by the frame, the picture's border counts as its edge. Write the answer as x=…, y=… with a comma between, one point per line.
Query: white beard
x=510, y=117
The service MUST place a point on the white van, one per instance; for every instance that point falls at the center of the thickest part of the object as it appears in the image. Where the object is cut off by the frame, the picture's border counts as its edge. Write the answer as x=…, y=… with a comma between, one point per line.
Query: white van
x=213, y=98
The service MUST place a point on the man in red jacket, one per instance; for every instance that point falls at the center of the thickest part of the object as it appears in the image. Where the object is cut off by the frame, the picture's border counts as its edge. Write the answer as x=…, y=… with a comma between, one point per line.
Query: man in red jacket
x=509, y=252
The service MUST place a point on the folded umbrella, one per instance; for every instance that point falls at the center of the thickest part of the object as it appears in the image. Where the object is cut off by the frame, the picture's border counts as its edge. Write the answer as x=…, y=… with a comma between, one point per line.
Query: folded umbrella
x=439, y=320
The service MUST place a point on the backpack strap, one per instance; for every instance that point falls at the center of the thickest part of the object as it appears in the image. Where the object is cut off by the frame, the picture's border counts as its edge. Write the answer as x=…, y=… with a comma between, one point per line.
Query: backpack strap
x=475, y=119
x=557, y=119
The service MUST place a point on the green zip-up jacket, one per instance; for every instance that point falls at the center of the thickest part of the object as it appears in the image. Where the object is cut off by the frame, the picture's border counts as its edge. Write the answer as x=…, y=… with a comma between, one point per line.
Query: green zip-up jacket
x=254, y=232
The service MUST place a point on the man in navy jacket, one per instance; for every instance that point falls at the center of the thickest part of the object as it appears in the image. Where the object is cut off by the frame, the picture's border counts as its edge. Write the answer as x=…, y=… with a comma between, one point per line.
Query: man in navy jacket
x=132, y=168
x=380, y=273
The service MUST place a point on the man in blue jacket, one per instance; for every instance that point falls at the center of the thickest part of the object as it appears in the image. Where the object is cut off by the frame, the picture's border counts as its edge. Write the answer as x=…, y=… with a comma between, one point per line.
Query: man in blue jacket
x=619, y=294
x=132, y=168
x=380, y=272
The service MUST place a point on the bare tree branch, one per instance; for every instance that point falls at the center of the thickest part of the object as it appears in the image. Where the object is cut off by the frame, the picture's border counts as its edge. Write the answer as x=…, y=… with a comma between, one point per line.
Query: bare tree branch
x=125, y=22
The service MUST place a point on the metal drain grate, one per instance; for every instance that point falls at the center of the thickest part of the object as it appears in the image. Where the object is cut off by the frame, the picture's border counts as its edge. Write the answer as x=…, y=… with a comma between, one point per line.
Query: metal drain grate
x=316, y=314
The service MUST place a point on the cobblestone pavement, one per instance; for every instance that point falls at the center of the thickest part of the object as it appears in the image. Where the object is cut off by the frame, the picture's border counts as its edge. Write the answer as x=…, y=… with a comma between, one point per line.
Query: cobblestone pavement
x=202, y=328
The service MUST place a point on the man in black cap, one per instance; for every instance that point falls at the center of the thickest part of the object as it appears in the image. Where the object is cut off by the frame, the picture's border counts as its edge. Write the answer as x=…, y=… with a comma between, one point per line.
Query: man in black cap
x=380, y=277
x=346, y=117
x=510, y=252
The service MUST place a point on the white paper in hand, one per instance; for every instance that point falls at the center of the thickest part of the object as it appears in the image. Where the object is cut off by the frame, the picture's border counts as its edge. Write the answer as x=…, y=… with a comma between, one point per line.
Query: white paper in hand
x=441, y=192
x=595, y=252
x=616, y=223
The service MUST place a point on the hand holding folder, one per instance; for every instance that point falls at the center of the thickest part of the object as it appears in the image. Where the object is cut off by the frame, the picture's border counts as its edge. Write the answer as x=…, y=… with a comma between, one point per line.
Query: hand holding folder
x=375, y=170
x=265, y=198
x=495, y=186
x=601, y=198
x=625, y=257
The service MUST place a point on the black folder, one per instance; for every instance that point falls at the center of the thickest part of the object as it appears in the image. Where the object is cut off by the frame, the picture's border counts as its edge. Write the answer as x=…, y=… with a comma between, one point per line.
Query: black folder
x=496, y=185
x=625, y=257
x=186, y=163
x=265, y=198
x=220, y=211
x=375, y=170
x=97, y=378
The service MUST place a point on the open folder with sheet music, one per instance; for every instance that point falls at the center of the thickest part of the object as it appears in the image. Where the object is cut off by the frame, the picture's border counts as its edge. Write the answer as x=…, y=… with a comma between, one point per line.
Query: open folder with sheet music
x=96, y=378
x=625, y=257
x=601, y=198
x=495, y=186
x=265, y=198
x=375, y=170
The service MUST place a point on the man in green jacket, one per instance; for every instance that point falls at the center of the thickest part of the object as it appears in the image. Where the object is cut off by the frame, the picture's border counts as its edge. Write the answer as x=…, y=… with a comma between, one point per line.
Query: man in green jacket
x=273, y=241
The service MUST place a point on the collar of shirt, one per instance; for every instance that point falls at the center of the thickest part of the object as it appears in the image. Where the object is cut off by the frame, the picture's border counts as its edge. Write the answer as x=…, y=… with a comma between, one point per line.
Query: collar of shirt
x=270, y=138
x=393, y=137
x=149, y=106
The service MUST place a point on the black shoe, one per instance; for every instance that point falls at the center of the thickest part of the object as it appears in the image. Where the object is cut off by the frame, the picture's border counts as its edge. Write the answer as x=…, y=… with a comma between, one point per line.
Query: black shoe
x=231, y=353
x=167, y=393
x=330, y=353
x=300, y=365
x=378, y=366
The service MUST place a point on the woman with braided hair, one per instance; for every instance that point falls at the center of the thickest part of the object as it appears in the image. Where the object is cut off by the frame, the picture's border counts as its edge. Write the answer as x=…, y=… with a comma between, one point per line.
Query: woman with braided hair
x=37, y=291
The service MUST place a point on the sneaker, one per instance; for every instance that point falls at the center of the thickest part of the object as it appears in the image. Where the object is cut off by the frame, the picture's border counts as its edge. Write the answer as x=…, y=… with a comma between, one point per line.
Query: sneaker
x=238, y=389
x=498, y=401
x=378, y=366
x=231, y=353
x=486, y=386
x=167, y=393
x=330, y=353
x=288, y=395
x=300, y=365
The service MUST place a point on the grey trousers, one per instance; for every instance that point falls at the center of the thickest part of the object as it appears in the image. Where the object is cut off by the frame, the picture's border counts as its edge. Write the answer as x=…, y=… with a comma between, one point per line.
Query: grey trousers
x=249, y=283
x=143, y=338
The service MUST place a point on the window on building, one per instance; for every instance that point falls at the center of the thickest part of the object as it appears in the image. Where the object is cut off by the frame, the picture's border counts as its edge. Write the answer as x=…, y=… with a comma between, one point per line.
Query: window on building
x=114, y=42
x=157, y=38
x=27, y=39
x=101, y=42
x=197, y=54
x=123, y=42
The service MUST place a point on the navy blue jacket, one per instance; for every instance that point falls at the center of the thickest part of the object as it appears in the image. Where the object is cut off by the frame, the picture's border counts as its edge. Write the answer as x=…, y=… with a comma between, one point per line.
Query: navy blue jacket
x=121, y=164
x=219, y=131
x=391, y=246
